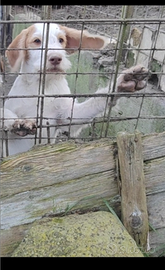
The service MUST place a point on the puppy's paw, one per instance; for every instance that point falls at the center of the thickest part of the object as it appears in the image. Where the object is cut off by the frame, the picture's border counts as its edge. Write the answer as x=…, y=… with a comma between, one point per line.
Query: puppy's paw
x=23, y=127
x=132, y=79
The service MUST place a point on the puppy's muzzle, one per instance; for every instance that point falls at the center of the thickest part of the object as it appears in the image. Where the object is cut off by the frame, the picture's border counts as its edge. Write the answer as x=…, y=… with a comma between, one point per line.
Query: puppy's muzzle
x=55, y=60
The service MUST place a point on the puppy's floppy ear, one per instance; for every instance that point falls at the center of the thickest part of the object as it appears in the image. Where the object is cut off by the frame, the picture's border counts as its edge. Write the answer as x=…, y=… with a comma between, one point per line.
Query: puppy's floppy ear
x=13, y=52
x=76, y=39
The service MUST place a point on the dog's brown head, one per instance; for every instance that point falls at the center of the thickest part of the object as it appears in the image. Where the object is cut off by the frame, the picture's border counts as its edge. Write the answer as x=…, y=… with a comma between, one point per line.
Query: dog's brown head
x=30, y=45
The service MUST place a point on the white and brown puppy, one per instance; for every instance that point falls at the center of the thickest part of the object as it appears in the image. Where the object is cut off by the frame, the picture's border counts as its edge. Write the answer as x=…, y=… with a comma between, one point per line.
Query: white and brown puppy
x=40, y=53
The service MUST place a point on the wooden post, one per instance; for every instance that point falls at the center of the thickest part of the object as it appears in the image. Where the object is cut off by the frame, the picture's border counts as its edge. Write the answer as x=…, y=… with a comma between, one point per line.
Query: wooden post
x=133, y=195
x=46, y=12
x=127, y=13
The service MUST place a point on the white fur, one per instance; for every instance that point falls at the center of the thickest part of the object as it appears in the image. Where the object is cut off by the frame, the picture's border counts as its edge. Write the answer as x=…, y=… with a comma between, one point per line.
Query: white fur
x=56, y=110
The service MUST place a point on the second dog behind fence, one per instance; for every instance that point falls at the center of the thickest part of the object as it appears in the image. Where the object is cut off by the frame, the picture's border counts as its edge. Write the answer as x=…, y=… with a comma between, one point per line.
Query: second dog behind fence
x=40, y=54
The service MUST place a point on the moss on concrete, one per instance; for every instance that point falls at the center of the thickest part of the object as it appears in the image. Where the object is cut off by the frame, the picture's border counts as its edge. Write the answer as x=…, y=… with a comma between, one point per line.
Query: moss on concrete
x=95, y=234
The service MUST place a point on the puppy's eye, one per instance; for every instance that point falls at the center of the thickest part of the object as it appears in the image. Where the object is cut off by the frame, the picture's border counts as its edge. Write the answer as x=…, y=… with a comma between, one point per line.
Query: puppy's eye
x=37, y=41
x=61, y=40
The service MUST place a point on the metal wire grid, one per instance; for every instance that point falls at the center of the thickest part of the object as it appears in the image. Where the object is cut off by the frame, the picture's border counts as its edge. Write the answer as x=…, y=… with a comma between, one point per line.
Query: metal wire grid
x=106, y=119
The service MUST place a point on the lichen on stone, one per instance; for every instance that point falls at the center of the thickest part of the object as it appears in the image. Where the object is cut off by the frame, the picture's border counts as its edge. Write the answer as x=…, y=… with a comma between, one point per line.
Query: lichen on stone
x=94, y=234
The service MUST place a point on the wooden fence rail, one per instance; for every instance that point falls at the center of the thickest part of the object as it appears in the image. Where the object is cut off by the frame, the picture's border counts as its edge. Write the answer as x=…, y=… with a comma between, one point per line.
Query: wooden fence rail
x=54, y=179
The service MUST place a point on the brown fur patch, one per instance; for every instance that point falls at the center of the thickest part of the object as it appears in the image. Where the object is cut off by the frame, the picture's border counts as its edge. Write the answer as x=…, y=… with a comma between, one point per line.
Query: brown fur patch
x=15, y=52
x=76, y=39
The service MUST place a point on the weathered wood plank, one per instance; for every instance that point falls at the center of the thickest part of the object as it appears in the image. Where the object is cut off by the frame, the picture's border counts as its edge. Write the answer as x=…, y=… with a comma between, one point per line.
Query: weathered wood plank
x=153, y=146
x=156, y=210
x=83, y=193
x=133, y=195
x=55, y=164
x=49, y=179
x=156, y=214
x=154, y=171
x=157, y=243
x=34, y=174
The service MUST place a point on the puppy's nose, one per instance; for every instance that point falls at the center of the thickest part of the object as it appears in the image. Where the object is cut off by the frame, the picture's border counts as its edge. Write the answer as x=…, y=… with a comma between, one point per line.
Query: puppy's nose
x=54, y=60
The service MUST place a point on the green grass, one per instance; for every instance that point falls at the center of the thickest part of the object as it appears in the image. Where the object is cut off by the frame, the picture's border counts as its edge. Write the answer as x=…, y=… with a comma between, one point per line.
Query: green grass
x=113, y=212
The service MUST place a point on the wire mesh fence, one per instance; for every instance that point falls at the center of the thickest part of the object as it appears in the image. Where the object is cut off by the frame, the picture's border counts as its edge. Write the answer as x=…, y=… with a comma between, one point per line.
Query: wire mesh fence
x=136, y=36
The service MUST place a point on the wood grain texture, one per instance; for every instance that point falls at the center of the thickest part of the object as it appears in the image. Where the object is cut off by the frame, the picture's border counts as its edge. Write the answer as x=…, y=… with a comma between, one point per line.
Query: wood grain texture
x=153, y=146
x=154, y=171
x=133, y=194
x=50, y=179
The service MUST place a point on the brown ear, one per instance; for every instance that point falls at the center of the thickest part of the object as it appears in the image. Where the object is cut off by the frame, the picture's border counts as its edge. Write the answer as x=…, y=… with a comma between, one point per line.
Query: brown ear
x=76, y=40
x=13, y=52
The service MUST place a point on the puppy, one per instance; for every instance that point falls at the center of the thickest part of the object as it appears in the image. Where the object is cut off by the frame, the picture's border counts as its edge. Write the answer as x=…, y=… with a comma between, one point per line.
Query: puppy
x=40, y=53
